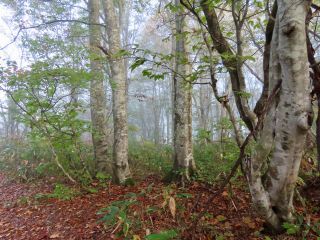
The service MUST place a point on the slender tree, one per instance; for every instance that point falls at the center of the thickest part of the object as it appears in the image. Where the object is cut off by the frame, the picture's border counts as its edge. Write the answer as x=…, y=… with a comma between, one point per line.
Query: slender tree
x=119, y=94
x=97, y=93
x=231, y=59
x=182, y=130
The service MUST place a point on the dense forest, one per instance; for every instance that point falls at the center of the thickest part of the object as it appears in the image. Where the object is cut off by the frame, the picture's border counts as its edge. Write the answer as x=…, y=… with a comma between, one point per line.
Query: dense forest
x=160, y=119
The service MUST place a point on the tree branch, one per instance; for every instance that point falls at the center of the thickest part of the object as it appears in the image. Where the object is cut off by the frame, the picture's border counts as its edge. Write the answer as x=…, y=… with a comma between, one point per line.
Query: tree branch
x=45, y=24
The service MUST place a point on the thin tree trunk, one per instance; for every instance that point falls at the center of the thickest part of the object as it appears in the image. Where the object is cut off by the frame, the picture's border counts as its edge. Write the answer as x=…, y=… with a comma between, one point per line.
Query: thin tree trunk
x=232, y=62
x=97, y=94
x=266, y=61
x=119, y=96
x=183, y=154
x=223, y=100
x=315, y=75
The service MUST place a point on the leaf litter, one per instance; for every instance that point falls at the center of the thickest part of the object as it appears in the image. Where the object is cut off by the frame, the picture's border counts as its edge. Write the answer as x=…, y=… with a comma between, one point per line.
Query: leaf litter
x=158, y=209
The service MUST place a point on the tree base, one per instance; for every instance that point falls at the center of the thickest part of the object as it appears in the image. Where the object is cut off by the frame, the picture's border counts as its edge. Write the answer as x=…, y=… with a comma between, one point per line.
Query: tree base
x=270, y=230
x=181, y=177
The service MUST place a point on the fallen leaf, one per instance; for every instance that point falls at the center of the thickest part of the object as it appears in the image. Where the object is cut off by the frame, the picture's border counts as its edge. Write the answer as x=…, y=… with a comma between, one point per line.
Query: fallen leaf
x=248, y=221
x=172, y=206
x=136, y=237
x=164, y=203
x=225, y=194
x=221, y=218
x=55, y=235
x=227, y=225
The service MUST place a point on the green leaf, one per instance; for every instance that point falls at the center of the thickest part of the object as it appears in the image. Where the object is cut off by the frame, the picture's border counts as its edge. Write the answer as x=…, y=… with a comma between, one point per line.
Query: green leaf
x=121, y=53
x=146, y=72
x=111, y=215
x=291, y=228
x=102, y=176
x=243, y=94
x=122, y=215
x=172, y=7
x=138, y=62
x=184, y=195
x=165, y=235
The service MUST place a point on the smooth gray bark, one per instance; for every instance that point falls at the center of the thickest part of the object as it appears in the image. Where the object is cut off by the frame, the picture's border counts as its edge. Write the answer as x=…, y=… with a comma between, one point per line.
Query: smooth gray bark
x=119, y=95
x=288, y=120
x=97, y=94
x=182, y=120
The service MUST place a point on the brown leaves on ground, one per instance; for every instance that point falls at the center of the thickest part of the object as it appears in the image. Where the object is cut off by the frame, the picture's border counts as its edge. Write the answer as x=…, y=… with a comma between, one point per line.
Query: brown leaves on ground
x=229, y=216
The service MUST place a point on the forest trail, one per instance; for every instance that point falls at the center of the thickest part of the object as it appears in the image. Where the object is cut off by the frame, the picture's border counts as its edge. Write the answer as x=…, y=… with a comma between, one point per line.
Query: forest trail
x=25, y=215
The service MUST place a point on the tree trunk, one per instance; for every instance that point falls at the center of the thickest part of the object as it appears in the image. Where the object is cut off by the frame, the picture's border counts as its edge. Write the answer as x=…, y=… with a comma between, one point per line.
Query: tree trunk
x=97, y=94
x=266, y=61
x=184, y=163
x=119, y=98
x=288, y=120
x=12, y=119
x=156, y=114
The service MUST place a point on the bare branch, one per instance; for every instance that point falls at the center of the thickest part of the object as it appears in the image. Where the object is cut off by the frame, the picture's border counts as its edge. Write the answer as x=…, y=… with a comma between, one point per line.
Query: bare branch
x=45, y=24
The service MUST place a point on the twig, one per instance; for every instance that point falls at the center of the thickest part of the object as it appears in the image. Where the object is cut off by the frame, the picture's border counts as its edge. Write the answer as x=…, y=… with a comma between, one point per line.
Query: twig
x=117, y=227
x=56, y=158
x=234, y=205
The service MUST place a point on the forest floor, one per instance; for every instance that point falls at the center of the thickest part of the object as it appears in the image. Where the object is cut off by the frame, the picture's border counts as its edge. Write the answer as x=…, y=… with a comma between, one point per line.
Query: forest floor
x=30, y=211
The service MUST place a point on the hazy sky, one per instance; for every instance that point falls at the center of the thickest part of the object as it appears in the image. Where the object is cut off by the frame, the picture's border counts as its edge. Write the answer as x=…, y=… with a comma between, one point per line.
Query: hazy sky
x=7, y=34
x=11, y=52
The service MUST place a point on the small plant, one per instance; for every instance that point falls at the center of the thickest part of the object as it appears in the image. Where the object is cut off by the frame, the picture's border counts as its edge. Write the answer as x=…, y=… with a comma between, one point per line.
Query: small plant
x=61, y=192
x=116, y=215
x=302, y=227
x=316, y=229
x=291, y=228
x=23, y=200
x=102, y=177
